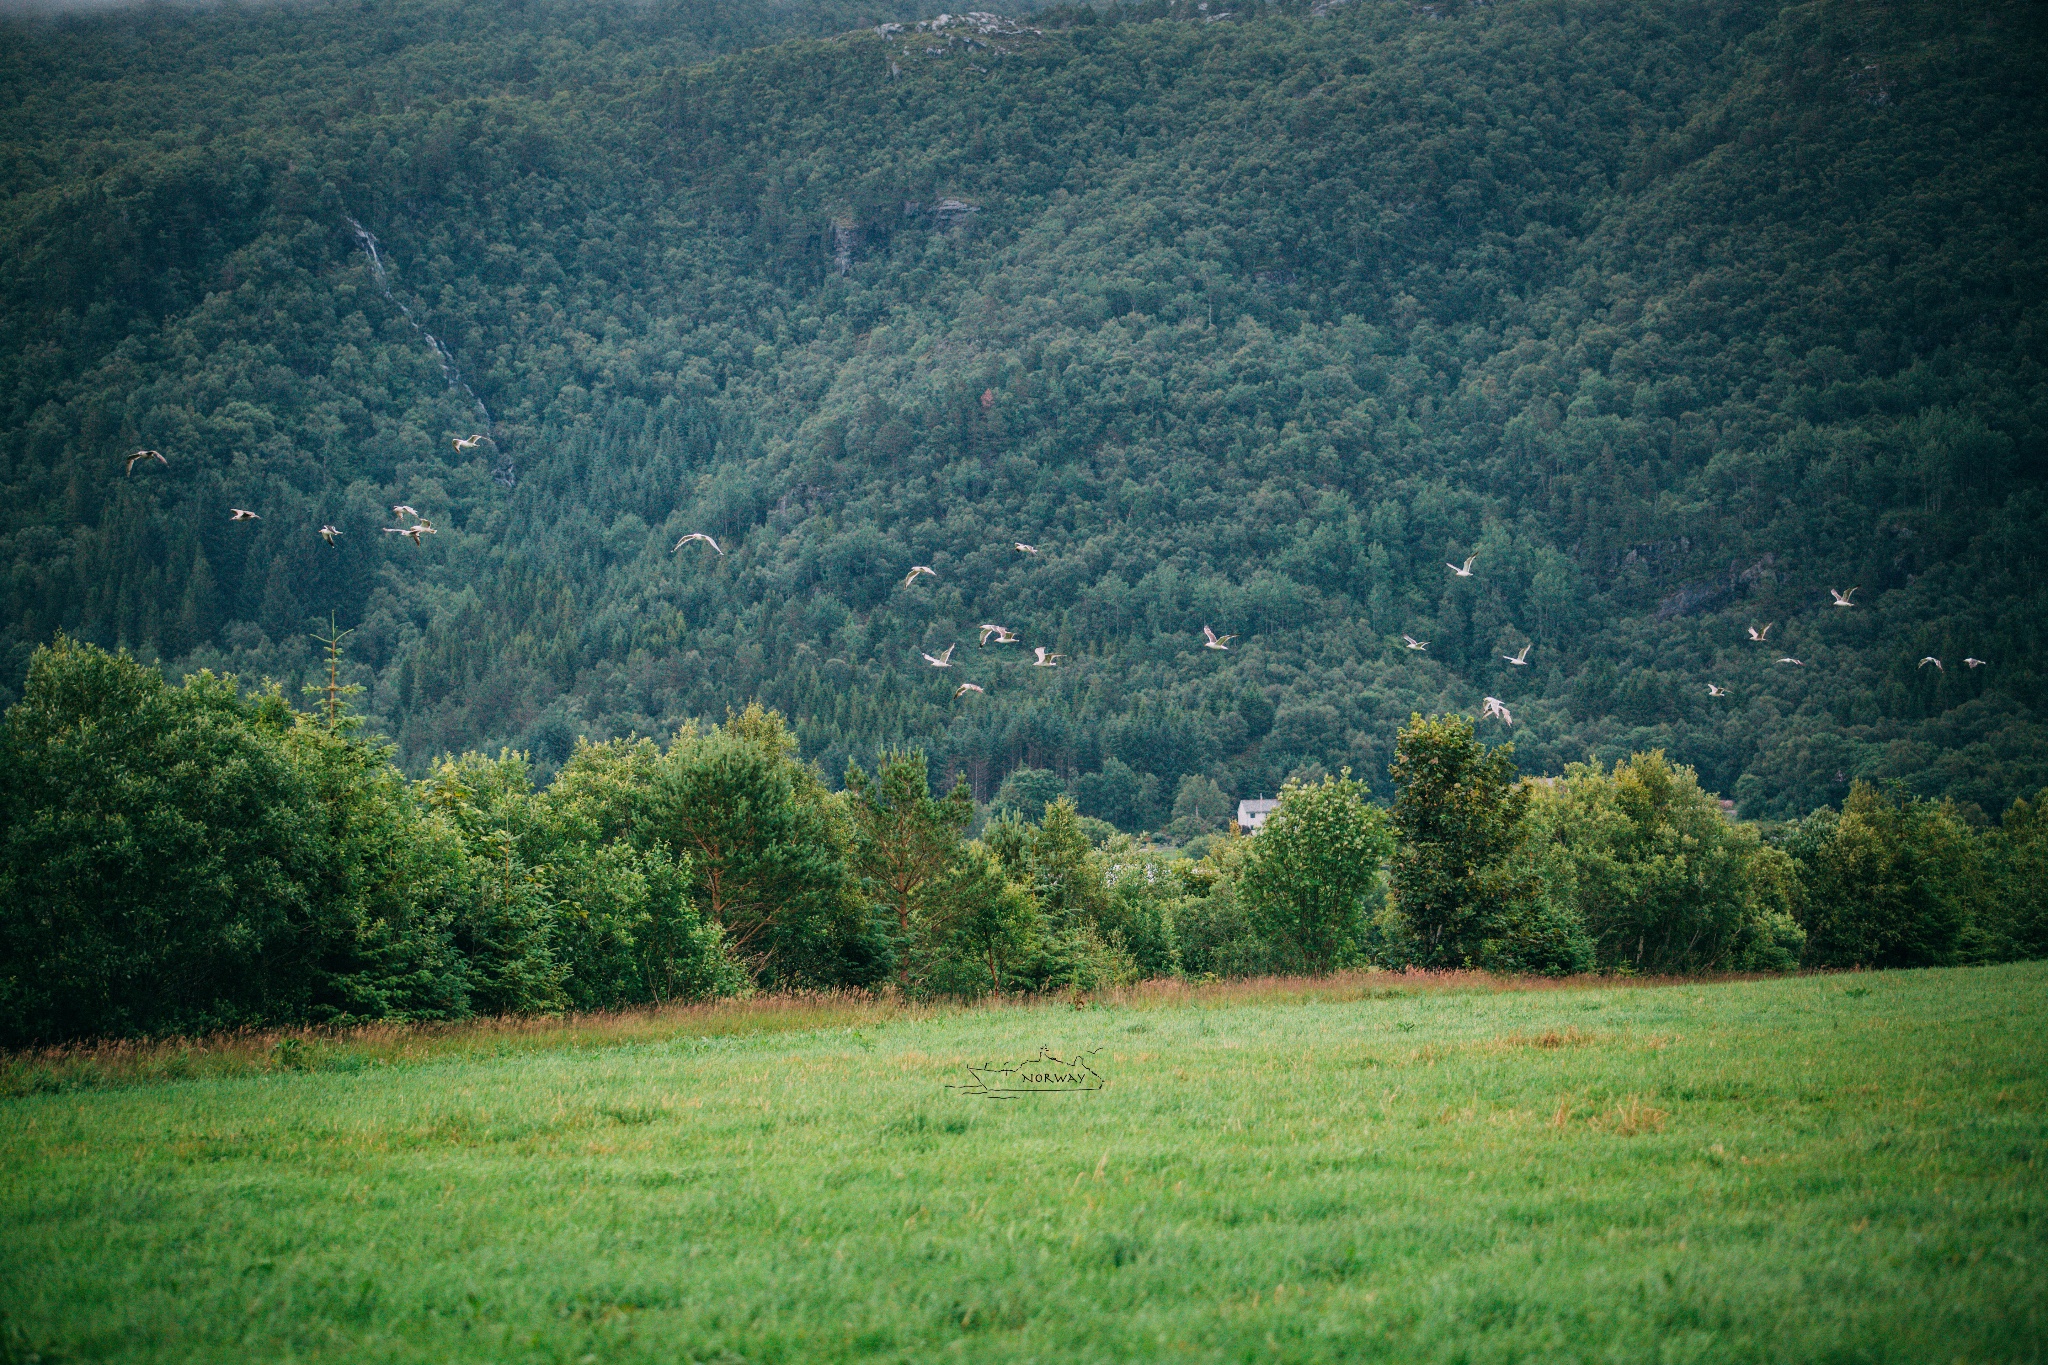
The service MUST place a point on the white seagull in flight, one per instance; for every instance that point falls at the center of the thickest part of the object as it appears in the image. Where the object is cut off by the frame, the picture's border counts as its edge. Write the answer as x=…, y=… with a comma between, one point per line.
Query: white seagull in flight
x=469, y=442
x=1974, y=663
x=917, y=569
x=142, y=455
x=1788, y=659
x=1465, y=572
x=1216, y=641
x=242, y=514
x=1494, y=707
x=1930, y=659
x=1521, y=658
x=964, y=688
x=699, y=535
x=1027, y=549
x=1414, y=643
x=1044, y=660
x=1842, y=598
x=1756, y=634
x=942, y=660
x=328, y=533
x=1714, y=690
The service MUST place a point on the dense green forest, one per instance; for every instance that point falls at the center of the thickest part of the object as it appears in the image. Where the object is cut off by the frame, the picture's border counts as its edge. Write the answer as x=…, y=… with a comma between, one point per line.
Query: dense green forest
x=1673, y=314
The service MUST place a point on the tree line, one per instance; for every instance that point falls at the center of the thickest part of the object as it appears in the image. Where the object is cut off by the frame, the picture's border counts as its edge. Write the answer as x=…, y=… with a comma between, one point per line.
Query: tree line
x=182, y=858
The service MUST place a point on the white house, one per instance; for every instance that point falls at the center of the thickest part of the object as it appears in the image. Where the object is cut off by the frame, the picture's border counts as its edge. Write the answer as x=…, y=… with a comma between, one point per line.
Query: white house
x=1252, y=814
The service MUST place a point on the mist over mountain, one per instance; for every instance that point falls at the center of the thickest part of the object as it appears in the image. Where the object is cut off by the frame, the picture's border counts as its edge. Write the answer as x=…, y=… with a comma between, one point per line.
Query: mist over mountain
x=1672, y=316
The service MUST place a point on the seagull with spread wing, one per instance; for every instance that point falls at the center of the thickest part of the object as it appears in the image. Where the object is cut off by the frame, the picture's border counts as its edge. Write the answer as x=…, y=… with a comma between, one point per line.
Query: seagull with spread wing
x=1973, y=663
x=1414, y=643
x=399, y=509
x=1045, y=660
x=1003, y=634
x=242, y=514
x=917, y=569
x=1796, y=663
x=1215, y=641
x=1930, y=659
x=1027, y=549
x=1756, y=634
x=1842, y=598
x=1714, y=690
x=328, y=533
x=469, y=442
x=1521, y=658
x=941, y=660
x=139, y=456
x=1465, y=572
x=698, y=535
x=964, y=688
x=1495, y=707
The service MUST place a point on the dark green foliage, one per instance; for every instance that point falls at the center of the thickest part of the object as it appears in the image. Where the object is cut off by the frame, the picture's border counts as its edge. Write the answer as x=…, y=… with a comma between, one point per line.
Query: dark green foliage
x=908, y=851
x=1458, y=815
x=176, y=859
x=2014, y=923
x=1673, y=315
x=1892, y=880
x=766, y=853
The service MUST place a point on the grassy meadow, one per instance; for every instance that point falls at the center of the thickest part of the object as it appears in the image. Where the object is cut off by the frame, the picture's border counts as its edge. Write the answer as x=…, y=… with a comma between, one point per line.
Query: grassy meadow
x=1835, y=1168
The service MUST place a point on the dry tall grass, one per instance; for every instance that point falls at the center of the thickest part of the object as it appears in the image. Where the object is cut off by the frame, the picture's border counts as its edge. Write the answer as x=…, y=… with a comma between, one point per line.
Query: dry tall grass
x=255, y=1051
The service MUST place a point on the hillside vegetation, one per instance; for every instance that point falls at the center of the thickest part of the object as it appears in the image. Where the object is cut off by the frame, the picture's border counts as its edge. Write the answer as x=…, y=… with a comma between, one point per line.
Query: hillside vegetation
x=1673, y=314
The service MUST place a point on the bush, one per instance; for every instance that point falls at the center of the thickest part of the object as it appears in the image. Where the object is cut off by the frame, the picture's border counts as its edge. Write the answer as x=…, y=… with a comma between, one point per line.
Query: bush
x=178, y=859
x=1457, y=875
x=1660, y=879
x=1891, y=881
x=1312, y=876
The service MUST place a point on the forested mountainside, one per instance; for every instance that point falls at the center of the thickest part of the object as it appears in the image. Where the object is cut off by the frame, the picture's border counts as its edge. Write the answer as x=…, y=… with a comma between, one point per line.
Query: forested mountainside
x=1672, y=315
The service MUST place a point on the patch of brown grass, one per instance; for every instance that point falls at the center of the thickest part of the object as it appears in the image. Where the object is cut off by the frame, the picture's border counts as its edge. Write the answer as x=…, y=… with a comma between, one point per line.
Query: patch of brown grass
x=1632, y=1117
x=257, y=1051
x=1569, y=1036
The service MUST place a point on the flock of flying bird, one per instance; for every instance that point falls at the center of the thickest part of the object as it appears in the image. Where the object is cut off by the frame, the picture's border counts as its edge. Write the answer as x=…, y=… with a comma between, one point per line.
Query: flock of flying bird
x=1003, y=635
x=421, y=526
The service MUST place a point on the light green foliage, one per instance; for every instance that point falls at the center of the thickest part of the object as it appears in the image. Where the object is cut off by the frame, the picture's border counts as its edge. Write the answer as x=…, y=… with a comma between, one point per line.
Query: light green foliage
x=1312, y=879
x=1801, y=1169
x=1660, y=879
x=1199, y=807
x=1142, y=909
x=1891, y=881
x=1457, y=874
x=989, y=934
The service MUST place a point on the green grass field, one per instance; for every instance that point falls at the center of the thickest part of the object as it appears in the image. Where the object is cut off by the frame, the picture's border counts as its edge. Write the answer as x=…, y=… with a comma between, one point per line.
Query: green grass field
x=1843, y=1168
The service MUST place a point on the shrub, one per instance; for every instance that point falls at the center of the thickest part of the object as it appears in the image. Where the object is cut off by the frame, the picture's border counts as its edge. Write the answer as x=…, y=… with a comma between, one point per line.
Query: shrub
x=1313, y=871
x=1660, y=879
x=1891, y=881
x=1456, y=875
